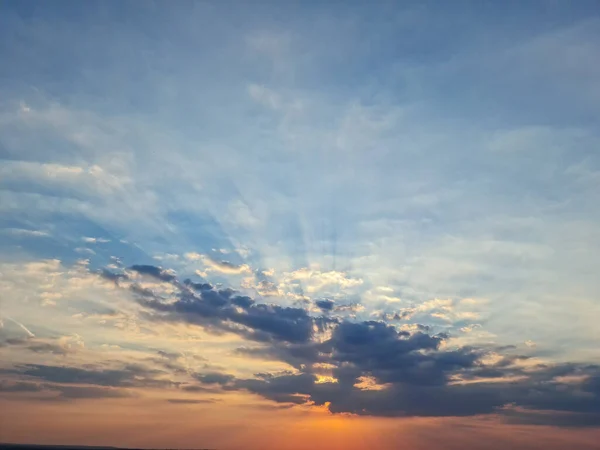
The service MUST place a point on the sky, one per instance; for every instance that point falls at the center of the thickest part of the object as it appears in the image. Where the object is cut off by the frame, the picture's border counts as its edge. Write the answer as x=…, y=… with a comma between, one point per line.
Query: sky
x=290, y=225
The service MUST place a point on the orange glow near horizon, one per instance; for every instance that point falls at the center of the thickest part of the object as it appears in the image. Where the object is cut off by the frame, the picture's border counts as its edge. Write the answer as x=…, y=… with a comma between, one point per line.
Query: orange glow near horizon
x=150, y=424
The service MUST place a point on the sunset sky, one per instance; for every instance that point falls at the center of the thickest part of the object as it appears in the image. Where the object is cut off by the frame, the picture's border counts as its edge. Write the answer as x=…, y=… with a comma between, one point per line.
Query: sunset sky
x=294, y=225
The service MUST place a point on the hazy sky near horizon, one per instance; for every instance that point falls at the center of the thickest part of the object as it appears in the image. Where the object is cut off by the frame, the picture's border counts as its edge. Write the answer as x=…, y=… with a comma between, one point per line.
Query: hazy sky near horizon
x=300, y=224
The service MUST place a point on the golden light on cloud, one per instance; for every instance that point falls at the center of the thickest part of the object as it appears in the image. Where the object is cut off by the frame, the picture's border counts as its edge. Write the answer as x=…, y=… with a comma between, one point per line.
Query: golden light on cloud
x=321, y=379
x=368, y=383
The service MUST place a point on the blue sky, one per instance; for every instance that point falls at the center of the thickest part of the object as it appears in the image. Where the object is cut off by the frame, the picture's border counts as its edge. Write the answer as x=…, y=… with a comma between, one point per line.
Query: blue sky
x=428, y=161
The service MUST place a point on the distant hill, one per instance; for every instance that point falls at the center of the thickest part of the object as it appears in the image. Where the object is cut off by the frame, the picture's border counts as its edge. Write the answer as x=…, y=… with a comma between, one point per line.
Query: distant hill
x=71, y=447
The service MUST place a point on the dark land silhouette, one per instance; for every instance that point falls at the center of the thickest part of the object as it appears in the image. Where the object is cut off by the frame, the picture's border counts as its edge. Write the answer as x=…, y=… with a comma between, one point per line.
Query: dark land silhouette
x=7, y=446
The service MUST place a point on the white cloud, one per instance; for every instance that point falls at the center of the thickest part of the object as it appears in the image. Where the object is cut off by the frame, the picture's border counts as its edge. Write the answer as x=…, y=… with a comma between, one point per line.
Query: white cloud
x=72, y=342
x=193, y=256
x=26, y=232
x=50, y=266
x=227, y=267
x=470, y=328
x=314, y=280
x=240, y=215
x=50, y=298
x=85, y=250
x=93, y=240
x=212, y=265
x=24, y=108
x=385, y=289
x=264, y=287
x=264, y=96
x=390, y=299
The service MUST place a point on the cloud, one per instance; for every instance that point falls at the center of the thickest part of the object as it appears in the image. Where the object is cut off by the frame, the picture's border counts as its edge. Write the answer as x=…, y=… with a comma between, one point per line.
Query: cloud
x=224, y=310
x=19, y=386
x=196, y=388
x=325, y=305
x=68, y=180
x=93, y=240
x=263, y=287
x=470, y=328
x=198, y=286
x=521, y=416
x=64, y=392
x=373, y=368
x=153, y=271
x=90, y=392
x=226, y=266
x=218, y=266
x=131, y=375
x=538, y=402
x=112, y=276
x=214, y=378
x=58, y=374
x=168, y=355
x=189, y=401
x=26, y=232
x=314, y=280
x=46, y=347
x=49, y=298
x=351, y=365
x=264, y=96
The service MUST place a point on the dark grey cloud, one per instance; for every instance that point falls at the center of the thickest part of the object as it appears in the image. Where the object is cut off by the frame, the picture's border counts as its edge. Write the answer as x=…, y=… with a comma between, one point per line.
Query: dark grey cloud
x=556, y=418
x=171, y=365
x=61, y=392
x=270, y=407
x=20, y=386
x=224, y=310
x=396, y=356
x=404, y=314
x=349, y=308
x=242, y=301
x=196, y=388
x=417, y=379
x=189, y=401
x=90, y=392
x=59, y=374
x=168, y=355
x=46, y=347
x=153, y=271
x=34, y=344
x=214, y=378
x=12, y=341
x=198, y=286
x=130, y=375
x=111, y=276
x=226, y=265
x=539, y=402
x=325, y=305
x=380, y=369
